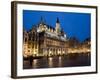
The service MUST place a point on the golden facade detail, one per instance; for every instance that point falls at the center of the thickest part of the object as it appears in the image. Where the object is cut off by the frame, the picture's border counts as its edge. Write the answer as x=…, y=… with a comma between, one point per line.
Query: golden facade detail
x=44, y=40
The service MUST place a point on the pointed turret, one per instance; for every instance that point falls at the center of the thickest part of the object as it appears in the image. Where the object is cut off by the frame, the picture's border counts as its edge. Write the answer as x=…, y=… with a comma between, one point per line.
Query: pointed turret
x=57, y=20
x=42, y=21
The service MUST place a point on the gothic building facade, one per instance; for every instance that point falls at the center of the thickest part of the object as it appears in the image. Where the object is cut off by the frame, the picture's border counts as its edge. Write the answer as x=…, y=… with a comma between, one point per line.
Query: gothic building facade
x=44, y=40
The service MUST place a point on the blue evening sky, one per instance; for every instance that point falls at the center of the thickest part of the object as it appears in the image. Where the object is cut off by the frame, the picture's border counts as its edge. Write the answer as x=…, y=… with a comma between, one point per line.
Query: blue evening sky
x=74, y=24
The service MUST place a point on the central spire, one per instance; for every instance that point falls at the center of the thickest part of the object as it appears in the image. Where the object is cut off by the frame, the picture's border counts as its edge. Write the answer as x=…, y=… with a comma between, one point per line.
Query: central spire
x=42, y=20
x=58, y=29
x=57, y=20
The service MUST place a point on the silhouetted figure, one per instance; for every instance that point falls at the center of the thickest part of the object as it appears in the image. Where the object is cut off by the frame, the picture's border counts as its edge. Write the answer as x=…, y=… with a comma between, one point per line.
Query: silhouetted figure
x=31, y=60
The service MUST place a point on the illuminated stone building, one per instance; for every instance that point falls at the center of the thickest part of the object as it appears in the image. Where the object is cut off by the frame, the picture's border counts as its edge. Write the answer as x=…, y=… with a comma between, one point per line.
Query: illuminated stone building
x=45, y=40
